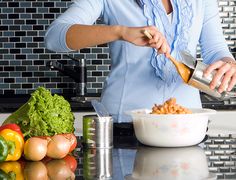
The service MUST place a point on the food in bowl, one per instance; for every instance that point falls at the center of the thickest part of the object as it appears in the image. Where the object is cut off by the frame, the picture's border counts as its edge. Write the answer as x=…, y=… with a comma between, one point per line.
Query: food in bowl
x=170, y=107
x=170, y=130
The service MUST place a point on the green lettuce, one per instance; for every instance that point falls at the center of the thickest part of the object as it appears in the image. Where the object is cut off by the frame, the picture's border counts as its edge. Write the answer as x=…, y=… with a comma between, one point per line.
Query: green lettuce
x=43, y=115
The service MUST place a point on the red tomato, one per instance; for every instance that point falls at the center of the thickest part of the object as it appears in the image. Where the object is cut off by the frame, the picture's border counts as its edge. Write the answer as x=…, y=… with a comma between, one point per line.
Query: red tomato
x=71, y=137
x=13, y=127
x=71, y=162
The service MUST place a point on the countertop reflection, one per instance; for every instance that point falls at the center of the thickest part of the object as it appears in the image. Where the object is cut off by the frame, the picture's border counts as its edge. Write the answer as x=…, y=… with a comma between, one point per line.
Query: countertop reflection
x=214, y=158
x=170, y=163
x=130, y=160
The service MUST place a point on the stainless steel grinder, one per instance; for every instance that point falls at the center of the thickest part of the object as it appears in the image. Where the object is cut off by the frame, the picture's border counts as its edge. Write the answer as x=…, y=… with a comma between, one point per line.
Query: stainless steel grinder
x=97, y=131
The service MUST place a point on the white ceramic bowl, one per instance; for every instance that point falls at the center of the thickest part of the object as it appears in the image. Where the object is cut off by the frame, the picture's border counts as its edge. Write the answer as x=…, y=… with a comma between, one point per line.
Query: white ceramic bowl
x=170, y=130
x=189, y=163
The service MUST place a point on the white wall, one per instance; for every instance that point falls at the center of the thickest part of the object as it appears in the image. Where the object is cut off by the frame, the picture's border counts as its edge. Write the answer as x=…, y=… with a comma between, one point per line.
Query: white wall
x=223, y=122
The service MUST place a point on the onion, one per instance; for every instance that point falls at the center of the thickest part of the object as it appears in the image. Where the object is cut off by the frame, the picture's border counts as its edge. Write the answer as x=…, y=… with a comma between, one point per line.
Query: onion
x=36, y=171
x=58, y=147
x=58, y=170
x=35, y=149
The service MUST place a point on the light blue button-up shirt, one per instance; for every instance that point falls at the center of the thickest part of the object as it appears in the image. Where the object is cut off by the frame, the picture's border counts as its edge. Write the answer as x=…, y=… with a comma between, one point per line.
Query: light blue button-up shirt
x=140, y=77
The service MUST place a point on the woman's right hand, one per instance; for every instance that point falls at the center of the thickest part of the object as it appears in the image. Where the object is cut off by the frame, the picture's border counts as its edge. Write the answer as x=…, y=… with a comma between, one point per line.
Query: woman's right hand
x=135, y=35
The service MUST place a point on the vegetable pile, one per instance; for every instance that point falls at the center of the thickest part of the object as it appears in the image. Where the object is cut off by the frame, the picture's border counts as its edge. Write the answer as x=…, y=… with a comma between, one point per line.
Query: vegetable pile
x=48, y=155
x=43, y=115
x=41, y=131
x=12, y=145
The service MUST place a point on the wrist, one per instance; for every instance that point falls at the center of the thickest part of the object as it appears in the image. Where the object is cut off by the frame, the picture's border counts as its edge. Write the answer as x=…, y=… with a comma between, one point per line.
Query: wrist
x=120, y=32
x=228, y=60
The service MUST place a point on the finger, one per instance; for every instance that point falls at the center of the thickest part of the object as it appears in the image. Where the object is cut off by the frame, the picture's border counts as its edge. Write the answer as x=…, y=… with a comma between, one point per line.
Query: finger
x=162, y=49
x=147, y=34
x=168, y=49
x=152, y=30
x=167, y=55
x=151, y=33
x=153, y=45
x=219, y=74
x=212, y=67
x=159, y=43
x=155, y=39
x=232, y=82
x=225, y=81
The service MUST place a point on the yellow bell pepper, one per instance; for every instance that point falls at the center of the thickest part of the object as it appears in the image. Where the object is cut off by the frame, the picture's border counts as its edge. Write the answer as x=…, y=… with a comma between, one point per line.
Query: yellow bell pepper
x=13, y=170
x=15, y=144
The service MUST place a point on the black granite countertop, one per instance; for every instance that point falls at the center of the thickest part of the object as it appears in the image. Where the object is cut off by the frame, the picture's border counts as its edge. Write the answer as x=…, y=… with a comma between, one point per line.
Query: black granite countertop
x=213, y=103
x=11, y=103
x=214, y=158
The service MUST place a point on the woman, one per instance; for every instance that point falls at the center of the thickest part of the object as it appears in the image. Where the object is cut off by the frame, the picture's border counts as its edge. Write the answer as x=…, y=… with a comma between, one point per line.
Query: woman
x=141, y=74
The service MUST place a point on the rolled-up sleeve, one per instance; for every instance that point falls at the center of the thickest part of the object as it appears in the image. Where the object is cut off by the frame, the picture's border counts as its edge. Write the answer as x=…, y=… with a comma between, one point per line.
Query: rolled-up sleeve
x=212, y=41
x=80, y=12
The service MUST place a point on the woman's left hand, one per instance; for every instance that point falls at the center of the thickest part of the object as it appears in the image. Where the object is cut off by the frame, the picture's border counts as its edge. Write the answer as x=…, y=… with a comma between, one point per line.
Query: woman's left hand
x=225, y=72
